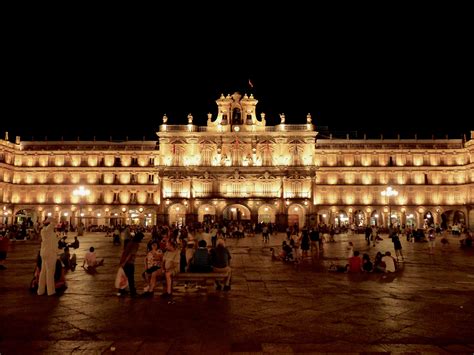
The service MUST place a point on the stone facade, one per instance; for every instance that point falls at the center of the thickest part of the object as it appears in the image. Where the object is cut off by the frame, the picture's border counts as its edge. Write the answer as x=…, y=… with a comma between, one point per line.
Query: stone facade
x=239, y=168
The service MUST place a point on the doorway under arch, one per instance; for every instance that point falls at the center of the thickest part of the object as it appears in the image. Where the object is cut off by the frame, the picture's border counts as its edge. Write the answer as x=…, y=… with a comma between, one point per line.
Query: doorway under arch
x=359, y=218
x=341, y=219
x=375, y=218
x=266, y=214
x=177, y=214
x=26, y=215
x=236, y=212
x=207, y=213
x=296, y=215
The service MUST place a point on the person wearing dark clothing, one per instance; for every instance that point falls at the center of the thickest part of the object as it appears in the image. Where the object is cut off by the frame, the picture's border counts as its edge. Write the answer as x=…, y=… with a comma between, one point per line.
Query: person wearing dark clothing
x=201, y=261
x=127, y=261
x=397, y=245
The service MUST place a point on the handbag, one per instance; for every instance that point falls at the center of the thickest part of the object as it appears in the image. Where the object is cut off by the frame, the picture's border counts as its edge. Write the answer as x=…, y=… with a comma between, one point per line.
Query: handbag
x=121, y=280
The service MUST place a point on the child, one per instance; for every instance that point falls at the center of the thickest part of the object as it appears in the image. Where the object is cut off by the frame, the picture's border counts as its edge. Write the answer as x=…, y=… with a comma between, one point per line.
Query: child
x=350, y=250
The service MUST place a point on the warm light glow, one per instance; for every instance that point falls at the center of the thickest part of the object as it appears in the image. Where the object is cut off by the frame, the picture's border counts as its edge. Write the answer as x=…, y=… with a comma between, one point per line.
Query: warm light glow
x=295, y=209
x=124, y=209
x=266, y=209
x=98, y=214
x=324, y=215
x=81, y=191
x=65, y=214
x=389, y=191
x=49, y=214
x=376, y=215
x=82, y=214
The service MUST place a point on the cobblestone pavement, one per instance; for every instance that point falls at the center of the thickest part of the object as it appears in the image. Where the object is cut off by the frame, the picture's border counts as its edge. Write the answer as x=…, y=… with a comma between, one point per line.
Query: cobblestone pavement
x=427, y=306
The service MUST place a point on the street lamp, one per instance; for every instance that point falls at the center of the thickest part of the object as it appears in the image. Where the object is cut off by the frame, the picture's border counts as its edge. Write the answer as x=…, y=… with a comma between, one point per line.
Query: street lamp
x=81, y=192
x=388, y=192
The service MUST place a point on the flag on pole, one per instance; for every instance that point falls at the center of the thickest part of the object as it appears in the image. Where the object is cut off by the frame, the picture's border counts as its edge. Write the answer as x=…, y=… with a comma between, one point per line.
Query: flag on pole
x=250, y=83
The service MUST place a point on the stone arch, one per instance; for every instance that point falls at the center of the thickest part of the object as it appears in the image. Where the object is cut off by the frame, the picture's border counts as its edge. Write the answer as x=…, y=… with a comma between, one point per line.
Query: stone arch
x=296, y=215
x=177, y=214
x=323, y=216
x=452, y=217
x=236, y=212
x=266, y=214
x=26, y=215
x=376, y=218
x=359, y=218
x=341, y=218
x=207, y=213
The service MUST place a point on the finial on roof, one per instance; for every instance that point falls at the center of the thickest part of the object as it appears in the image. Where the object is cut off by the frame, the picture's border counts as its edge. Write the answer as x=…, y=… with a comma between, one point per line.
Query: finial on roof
x=6, y=136
x=308, y=118
x=190, y=118
x=282, y=118
x=165, y=118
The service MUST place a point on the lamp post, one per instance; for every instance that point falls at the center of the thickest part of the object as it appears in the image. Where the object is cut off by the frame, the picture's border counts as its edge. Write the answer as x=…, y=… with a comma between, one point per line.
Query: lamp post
x=389, y=192
x=81, y=192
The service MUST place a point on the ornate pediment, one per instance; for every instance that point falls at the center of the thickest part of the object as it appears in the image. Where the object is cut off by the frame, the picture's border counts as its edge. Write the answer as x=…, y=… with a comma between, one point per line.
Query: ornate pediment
x=236, y=176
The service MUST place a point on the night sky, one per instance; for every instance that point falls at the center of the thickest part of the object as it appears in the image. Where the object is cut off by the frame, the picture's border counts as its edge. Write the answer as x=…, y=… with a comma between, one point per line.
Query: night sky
x=120, y=83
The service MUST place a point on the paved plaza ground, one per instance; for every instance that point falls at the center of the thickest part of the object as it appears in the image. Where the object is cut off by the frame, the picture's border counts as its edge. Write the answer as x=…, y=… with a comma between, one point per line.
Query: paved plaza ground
x=427, y=306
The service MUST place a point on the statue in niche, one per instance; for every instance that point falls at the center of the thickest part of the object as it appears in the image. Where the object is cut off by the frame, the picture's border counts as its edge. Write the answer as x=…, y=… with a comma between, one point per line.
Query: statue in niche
x=249, y=119
x=236, y=117
x=224, y=119
x=206, y=175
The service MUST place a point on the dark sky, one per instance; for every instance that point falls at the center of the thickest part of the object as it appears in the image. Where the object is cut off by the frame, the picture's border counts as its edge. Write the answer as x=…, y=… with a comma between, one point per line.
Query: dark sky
x=396, y=77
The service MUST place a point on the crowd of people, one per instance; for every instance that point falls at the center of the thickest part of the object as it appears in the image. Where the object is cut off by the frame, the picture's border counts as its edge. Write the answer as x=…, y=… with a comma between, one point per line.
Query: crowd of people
x=172, y=250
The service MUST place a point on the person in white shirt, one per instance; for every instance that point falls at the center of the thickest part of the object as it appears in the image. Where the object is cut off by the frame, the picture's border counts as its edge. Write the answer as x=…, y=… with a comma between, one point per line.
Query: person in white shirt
x=91, y=260
x=389, y=262
x=49, y=255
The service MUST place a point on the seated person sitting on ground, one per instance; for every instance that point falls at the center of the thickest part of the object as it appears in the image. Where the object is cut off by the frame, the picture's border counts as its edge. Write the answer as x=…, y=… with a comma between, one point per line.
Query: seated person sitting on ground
x=366, y=263
x=91, y=260
x=62, y=243
x=389, y=260
x=355, y=263
x=466, y=242
x=75, y=243
x=286, y=252
x=379, y=265
x=201, y=260
x=68, y=261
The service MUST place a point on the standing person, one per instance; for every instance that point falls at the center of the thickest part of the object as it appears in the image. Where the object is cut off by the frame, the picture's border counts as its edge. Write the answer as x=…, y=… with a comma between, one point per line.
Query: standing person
x=48, y=253
x=127, y=261
x=314, y=237
x=397, y=246
x=431, y=240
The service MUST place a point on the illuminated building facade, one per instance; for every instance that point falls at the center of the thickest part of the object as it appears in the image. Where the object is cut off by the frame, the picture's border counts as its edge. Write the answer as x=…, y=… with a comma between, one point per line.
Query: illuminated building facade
x=238, y=168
